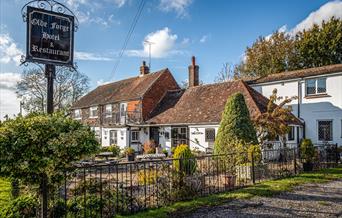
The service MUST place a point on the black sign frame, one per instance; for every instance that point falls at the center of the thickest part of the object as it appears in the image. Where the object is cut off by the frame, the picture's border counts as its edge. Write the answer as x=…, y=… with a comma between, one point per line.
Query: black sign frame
x=32, y=58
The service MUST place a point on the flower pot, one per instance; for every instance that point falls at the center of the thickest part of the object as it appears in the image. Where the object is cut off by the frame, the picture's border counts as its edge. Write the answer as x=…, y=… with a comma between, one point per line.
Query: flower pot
x=130, y=157
x=307, y=167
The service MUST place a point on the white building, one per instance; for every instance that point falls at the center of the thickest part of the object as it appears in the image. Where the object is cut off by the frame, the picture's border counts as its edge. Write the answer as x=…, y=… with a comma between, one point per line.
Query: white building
x=153, y=107
x=319, y=103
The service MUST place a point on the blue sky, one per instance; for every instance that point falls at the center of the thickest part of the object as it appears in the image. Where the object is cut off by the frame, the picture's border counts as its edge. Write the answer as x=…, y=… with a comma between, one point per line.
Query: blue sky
x=216, y=32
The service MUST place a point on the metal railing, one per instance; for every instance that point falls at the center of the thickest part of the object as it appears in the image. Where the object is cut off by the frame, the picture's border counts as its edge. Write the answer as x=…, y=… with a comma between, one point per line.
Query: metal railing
x=125, y=188
x=122, y=118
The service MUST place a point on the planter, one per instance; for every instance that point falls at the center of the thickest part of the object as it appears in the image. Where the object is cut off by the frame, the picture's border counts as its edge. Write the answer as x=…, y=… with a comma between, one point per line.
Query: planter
x=228, y=181
x=307, y=167
x=130, y=157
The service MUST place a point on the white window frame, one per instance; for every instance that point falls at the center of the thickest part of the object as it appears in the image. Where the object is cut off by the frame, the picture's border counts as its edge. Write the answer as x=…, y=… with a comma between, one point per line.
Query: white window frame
x=91, y=109
x=332, y=130
x=108, y=112
x=316, y=86
x=115, y=138
x=135, y=136
x=78, y=115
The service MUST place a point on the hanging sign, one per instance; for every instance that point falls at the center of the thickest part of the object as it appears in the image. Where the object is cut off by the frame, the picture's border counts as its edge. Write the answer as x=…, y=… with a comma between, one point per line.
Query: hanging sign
x=50, y=37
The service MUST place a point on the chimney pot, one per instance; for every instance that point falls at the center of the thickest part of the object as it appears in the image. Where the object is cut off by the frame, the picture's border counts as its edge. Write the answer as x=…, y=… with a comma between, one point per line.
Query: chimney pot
x=193, y=60
x=193, y=73
x=144, y=69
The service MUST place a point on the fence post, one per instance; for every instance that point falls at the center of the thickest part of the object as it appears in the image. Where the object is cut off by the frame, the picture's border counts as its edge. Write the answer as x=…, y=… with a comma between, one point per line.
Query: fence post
x=294, y=161
x=253, y=168
x=336, y=154
x=44, y=196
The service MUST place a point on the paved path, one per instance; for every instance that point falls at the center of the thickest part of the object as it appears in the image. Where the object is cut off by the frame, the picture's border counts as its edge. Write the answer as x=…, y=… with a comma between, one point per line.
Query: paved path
x=311, y=200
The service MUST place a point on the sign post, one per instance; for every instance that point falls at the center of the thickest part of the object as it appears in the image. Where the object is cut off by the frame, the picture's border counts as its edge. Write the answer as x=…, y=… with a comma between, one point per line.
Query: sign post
x=50, y=71
x=50, y=41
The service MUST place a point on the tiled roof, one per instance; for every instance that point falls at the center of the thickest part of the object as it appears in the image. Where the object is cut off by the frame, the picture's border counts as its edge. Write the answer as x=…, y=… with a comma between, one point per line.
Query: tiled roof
x=298, y=74
x=204, y=104
x=123, y=90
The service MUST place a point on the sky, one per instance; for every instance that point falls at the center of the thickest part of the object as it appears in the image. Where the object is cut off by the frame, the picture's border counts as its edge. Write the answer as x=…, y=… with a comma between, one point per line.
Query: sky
x=215, y=31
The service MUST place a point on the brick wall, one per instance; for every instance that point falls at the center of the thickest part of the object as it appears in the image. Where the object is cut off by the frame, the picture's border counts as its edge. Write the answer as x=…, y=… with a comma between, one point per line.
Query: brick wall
x=157, y=91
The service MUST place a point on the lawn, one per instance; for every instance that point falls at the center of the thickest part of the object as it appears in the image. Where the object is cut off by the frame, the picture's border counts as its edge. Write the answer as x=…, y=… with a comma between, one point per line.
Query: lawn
x=264, y=189
x=5, y=192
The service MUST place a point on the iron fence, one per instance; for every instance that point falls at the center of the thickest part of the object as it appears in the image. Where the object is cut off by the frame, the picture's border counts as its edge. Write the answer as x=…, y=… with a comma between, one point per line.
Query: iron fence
x=125, y=188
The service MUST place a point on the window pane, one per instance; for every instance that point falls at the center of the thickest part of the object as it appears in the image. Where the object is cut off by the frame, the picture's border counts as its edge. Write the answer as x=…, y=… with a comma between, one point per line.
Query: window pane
x=113, y=137
x=291, y=134
x=321, y=86
x=210, y=135
x=310, y=86
x=325, y=130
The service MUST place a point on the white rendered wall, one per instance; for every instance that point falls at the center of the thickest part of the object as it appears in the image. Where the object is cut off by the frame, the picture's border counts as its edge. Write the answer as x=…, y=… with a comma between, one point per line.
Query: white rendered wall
x=313, y=109
x=197, y=136
x=163, y=141
x=122, y=137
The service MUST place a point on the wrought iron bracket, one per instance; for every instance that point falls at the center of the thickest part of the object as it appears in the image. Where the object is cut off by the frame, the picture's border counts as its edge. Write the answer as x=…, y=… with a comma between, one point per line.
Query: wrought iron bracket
x=50, y=5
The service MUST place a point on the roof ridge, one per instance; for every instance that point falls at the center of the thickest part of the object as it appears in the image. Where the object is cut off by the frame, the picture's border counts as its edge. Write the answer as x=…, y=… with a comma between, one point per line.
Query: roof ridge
x=213, y=84
x=332, y=68
x=134, y=77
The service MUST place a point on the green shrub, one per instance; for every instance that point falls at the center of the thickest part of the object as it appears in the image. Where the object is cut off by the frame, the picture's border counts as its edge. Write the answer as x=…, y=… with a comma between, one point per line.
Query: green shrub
x=236, y=126
x=307, y=150
x=256, y=150
x=115, y=150
x=187, y=162
x=173, y=150
x=147, y=177
x=129, y=151
x=165, y=152
x=23, y=206
x=111, y=199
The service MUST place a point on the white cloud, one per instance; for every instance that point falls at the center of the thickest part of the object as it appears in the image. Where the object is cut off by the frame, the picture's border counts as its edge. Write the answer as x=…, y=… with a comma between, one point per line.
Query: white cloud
x=101, y=82
x=9, y=103
x=163, y=44
x=9, y=80
x=88, y=56
x=178, y=6
x=185, y=41
x=85, y=11
x=9, y=52
x=119, y=3
x=325, y=12
x=203, y=39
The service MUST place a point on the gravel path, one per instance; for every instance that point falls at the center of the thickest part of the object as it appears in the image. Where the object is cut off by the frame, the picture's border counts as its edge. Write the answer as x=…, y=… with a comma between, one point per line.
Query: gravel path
x=310, y=200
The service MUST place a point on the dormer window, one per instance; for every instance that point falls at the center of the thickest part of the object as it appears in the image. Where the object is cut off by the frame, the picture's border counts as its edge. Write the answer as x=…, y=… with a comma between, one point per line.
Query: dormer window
x=93, y=112
x=316, y=86
x=108, y=110
x=77, y=114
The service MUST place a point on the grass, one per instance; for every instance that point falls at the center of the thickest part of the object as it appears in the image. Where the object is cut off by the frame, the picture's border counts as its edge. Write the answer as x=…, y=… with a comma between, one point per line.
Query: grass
x=5, y=192
x=264, y=189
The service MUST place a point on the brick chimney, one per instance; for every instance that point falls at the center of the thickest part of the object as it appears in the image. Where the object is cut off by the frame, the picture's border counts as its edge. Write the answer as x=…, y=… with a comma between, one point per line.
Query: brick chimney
x=144, y=69
x=193, y=73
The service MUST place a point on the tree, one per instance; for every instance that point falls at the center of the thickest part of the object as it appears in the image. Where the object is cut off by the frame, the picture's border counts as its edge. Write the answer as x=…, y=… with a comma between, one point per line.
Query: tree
x=38, y=148
x=320, y=45
x=268, y=55
x=236, y=127
x=227, y=73
x=275, y=121
x=69, y=86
